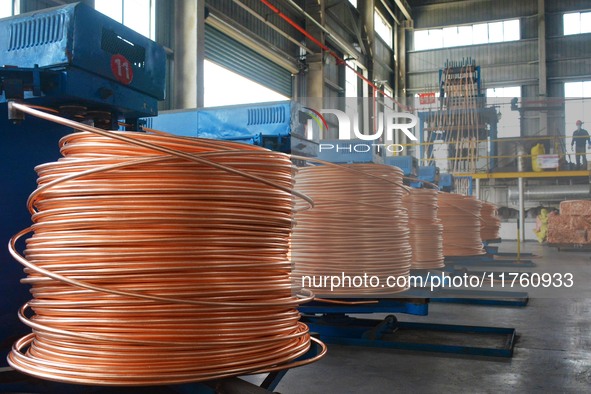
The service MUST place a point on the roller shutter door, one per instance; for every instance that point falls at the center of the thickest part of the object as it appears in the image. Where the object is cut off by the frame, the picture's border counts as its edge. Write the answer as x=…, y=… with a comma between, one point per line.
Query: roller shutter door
x=231, y=54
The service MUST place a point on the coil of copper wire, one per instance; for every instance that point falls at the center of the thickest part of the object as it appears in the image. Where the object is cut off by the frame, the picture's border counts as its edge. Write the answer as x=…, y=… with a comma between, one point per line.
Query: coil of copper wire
x=426, y=230
x=490, y=223
x=460, y=216
x=357, y=228
x=153, y=268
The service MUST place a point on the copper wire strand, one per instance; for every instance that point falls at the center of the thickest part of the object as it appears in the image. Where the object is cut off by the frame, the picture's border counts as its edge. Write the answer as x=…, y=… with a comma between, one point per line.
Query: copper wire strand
x=136, y=141
x=460, y=217
x=358, y=225
x=426, y=230
x=490, y=223
x=158, y=259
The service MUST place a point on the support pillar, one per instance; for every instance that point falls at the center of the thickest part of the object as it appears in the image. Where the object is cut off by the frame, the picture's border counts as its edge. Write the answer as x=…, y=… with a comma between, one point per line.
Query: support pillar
x=189, y=50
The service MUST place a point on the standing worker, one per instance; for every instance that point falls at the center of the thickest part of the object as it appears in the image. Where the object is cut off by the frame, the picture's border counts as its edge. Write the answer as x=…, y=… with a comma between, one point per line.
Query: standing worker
x=580, y=140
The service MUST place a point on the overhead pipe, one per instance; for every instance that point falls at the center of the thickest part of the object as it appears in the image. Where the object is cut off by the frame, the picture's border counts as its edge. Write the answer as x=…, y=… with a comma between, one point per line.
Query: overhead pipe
x=550, y=193
x=328, y=50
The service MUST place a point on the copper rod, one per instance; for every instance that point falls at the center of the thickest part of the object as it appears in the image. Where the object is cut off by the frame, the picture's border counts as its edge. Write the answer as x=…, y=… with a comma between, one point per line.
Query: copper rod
x=357, y=227
x=426, y=230
x=460, y=216
x=490, y=223
x=157, y=259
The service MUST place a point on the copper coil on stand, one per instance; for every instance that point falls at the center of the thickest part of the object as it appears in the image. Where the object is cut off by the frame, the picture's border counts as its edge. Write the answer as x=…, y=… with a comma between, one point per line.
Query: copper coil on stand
x=357, y=228
x=426, y=230
x=158, y=259
x=490, y=223
x=460, y=216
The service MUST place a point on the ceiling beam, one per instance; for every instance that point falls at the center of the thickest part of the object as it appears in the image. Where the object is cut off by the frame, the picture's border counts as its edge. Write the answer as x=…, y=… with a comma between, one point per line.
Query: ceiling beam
x=405, y=8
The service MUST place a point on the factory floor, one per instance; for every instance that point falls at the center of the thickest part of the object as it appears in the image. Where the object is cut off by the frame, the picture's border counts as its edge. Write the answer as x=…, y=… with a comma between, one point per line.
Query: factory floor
x=552, y=354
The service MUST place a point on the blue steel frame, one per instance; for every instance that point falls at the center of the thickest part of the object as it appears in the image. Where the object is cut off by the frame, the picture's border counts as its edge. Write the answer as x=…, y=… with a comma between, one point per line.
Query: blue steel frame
x=373, y=333
x=471, y=261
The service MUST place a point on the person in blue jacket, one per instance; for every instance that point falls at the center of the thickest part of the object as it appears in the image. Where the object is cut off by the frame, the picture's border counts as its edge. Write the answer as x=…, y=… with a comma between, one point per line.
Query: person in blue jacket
x=580, y=141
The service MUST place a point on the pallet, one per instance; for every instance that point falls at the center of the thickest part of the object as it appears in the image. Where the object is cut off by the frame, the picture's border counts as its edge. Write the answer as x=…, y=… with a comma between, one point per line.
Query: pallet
x=571, y=247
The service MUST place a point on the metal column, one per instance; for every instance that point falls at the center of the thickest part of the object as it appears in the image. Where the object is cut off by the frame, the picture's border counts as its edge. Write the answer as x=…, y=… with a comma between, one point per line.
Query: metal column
x=521, y=209
x=189, y=53
x=366, y=13
x=542, y=67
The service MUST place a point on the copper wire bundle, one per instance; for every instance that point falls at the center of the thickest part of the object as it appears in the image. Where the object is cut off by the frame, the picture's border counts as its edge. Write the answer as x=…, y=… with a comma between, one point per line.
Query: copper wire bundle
x=460, y=216
x=490, y=224
x=149, y=268
x=357, y=227
x=426, y=230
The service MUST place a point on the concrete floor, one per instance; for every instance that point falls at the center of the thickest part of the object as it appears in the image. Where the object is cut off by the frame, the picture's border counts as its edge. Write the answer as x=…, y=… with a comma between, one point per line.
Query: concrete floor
x=552, y=353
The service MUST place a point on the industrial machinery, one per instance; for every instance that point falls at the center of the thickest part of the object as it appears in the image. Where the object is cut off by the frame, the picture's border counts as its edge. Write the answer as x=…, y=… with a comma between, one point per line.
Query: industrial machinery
x=82, y=63
x=78, y=63
x=408, y=164
x=278, y=126
x=458, y=131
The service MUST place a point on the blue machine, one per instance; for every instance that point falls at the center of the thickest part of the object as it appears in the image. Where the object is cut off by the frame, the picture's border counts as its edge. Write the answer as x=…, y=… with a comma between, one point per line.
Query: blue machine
x=277, y=126
x=81, y=62
x=408, y=164
x=446, y=182
x=426, y=174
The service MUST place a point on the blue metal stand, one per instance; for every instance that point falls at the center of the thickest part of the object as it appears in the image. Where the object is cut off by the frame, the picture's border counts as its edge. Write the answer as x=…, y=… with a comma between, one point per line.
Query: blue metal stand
x=390, y=333
x=482, y=297
x=334, y=325
x=494, y=250
x=419, y=307
x=487, y=261
x=470, y=296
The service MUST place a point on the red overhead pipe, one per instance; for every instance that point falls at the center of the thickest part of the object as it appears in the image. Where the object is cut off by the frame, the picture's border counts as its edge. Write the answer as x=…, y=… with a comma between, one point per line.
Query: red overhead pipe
x=325, y=48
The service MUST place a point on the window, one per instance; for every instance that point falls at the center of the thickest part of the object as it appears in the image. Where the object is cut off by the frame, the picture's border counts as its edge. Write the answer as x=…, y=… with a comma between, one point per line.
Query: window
x=8, y=8
x=577, y=104
x=383, y=28
x=480, y=33
x=509, y=124
x=577, y=23
x=428, y=39
x=135, y=14
x=389, y=92
x=511, y=30
x=457, y=36
x=351, y=81
x=354, y=2
x=223, y=87
x=453, y=36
